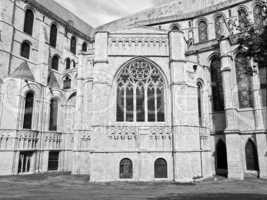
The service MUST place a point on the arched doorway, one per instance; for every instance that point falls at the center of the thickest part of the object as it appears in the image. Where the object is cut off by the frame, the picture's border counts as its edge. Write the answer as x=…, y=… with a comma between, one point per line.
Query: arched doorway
x=221, y=159
x=251, y=156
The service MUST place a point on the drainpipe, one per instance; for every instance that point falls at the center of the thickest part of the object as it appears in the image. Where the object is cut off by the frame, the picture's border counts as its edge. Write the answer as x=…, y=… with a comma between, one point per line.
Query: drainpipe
x=13, y=36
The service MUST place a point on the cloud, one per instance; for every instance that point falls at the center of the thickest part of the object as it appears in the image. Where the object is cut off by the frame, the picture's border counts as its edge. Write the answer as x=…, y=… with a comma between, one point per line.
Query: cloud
x=99, y=12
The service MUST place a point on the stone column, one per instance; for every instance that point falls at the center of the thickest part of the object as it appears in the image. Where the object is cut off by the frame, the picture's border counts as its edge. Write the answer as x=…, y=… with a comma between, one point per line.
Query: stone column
x=260, y=136
x=233, y=138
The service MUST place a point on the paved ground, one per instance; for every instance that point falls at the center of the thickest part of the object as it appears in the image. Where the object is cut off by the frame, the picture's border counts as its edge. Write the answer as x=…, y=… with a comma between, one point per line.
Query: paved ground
x=44, y=187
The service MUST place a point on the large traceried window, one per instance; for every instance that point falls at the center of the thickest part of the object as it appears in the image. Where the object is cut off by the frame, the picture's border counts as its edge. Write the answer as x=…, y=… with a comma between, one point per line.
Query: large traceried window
x=244, y=82
x=140, y=93
x=258, y=16
x=28, y=110
x=263, y=81
x=203, y=31
x=28, y=22
x=217, y=85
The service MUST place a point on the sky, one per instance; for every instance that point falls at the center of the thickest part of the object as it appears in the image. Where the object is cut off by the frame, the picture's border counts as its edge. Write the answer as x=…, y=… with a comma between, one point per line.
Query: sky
x=99, y=12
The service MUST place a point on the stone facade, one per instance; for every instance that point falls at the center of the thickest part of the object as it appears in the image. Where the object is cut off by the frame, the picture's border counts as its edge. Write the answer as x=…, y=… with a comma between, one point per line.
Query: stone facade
x=84, y=122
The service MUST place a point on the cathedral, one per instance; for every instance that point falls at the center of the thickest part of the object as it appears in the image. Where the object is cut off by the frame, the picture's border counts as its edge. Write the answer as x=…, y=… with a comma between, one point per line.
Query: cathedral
x=160, y=95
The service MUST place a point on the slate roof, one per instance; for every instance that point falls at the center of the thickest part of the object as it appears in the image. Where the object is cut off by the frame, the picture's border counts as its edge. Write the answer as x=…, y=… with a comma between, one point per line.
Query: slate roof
x=64, y=14
x=173, y=11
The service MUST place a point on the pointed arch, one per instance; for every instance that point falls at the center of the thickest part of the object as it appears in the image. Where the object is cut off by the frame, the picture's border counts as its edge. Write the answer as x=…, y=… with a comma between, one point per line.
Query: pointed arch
x=84, y=46
x=221, y=158
x=252, y=162
x=55, y=62
x=136, y=81
x=28, y=110
x=25, y=49
x=243, y=18
x=28, y=21
x=66, y=82
x=68, y=62
x=73, y=45
x=53, y=35
x=203, y=30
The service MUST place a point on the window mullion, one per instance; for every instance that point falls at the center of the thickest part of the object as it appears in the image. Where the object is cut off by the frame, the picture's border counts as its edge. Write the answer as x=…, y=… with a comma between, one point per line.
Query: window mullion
x=156, y=104
x=124, y=104
x=145, y=103
x=134, y=99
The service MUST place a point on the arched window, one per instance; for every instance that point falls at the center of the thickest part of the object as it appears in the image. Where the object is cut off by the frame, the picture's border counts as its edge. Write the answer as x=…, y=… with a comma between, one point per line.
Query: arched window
x=28, y=21
x=25, y=49
x=28, y=110
x=203, y=31
x=73, y=63
x=263, y=81
x=258, y=15
x=53, y=35
x=73, y=45
x=160, y=168
x=55, y=62
x=251, y=156
x=67, y=83
x=243, y=18
x=221, y=158
x=53, y=115
x=200, y=102
x=218, y=26
x=140, y=93
x=67, y=63
x=126, y=169
x=84, y=47
x=244, y=81
x=217, y=86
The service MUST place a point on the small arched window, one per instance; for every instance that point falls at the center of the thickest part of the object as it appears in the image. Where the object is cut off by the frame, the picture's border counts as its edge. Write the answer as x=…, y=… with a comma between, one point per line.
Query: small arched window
x=244, y=81
x=53, y=118
x=160, y=168
x=67, y=63
x=217, y=85
x=200, y=102
x=55, y=62
x=67, y=83
x=25, y=49
x=203, y=31
x=73, y=63
x=28, y=21
x=84, y=47
x=243, y=18
x=53, y=35
x=218, y=26
x=28, y=110
x=126, y=169
x=73, y=45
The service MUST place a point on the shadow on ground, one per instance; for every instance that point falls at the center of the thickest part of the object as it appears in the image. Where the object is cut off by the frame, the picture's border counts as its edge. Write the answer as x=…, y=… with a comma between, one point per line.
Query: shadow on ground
x=212, y=197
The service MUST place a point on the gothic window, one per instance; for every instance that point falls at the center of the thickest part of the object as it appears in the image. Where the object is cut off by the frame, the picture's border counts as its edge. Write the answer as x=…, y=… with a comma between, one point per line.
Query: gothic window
x=53, y=160
x=25, y=49
x=73, y=45
x=55, y=62
x=243, y=18
x=73, y=63
x=203, y=31
x=140, y=93
x=28, y=21
x=84, y=47
x=160, y=168
x=263, y=82
x=67, y=63
x=218, y=26
x=126, y=169
x=258, y=16
x=53, y=118
x=244, y=82
x=53, y=35
x=24, y=165
x=200, y=102
x=67, y=83
x=217, y=86
x=251, y=156
x=28, y=110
